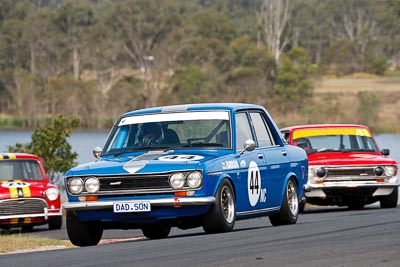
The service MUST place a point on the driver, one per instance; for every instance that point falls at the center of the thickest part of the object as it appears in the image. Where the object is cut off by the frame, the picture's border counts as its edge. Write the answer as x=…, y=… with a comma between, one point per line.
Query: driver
x=149, y=134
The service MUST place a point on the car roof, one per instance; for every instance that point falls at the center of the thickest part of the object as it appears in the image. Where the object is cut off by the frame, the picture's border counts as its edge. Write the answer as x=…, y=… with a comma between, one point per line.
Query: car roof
x=326, y=125
x=18, y=156
x=194, y=107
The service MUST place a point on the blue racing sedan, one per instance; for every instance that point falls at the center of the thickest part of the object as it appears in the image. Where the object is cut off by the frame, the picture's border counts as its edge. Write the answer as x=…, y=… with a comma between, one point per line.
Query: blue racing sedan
x=186, y=166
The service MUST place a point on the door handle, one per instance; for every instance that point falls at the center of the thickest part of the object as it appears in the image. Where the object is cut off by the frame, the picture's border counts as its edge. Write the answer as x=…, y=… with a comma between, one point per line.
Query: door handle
x=260, y=155
x=284, y=153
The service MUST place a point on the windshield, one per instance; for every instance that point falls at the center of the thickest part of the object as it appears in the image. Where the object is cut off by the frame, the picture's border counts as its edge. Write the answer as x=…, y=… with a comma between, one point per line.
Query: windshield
x=20, y=170
x=335, y=140
x=181, y=130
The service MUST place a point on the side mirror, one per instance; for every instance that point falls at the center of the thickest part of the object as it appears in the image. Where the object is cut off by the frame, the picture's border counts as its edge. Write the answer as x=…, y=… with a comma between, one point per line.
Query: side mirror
x=97, y=152
x=385, y=152
x=249, y=145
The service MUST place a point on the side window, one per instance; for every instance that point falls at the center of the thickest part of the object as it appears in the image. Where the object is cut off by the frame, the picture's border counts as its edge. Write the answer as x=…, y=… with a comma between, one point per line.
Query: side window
x=243, y=130
x=285, y=136
x=262, y=132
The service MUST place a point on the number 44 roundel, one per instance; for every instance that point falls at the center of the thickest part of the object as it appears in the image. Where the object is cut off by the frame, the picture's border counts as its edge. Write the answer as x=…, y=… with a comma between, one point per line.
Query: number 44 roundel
x=253, y=183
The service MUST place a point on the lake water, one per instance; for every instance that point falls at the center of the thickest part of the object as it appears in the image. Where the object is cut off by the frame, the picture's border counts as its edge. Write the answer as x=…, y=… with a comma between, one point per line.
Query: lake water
x=83, y=142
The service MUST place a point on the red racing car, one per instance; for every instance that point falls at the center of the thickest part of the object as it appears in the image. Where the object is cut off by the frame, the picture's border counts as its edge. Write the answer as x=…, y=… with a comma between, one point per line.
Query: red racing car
x=26, y=196
x=346, y=166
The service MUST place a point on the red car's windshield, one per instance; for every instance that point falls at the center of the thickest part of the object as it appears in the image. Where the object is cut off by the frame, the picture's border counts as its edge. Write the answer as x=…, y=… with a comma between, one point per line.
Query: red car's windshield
x=335, y=139
x=19, y=169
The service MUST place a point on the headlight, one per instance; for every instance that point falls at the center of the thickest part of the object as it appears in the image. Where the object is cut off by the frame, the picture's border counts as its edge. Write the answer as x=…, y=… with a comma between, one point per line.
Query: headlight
x=316, y=174
x=194, y=179
x=379, y=171
x=92, y=185
x=390, y=170
x=177, y=180
x=52, y=193
x=75, y=186
x=321, y=172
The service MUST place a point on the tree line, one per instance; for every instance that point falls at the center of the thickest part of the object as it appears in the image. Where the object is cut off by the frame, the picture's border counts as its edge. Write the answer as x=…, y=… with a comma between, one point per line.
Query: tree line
x=95, y=59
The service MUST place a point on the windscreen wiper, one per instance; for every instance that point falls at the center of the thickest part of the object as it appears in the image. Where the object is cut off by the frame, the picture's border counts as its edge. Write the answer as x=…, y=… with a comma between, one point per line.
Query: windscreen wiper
x=201, y=144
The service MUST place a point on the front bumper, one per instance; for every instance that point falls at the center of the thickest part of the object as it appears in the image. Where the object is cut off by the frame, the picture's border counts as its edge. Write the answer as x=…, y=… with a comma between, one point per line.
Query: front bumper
x=46, y=214
x=162, y=202
x=379, y=189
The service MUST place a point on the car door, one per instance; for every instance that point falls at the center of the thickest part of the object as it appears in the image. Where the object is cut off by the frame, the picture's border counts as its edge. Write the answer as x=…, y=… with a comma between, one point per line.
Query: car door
x=276, y=159
x=250, y=193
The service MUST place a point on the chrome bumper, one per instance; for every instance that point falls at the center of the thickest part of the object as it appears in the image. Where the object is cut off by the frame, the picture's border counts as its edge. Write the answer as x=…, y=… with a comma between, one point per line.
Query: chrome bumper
x=46, y=214
x=316, y=190
x=166, y=202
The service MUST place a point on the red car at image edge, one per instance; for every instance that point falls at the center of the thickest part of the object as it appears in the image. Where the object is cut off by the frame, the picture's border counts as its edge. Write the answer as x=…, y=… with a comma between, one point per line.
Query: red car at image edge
x=346, y=166
x=27, y=198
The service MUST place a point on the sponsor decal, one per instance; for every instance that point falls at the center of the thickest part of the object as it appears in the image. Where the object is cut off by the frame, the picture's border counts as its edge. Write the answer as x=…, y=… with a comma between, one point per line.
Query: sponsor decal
x=230, y=164
x=180, y=158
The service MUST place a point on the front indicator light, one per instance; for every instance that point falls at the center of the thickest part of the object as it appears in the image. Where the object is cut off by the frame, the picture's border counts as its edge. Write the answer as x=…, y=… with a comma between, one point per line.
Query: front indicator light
x=91, y=198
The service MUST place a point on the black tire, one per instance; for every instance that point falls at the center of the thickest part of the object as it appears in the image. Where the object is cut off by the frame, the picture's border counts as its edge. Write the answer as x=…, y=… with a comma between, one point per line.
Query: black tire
x=290, y=207
x=156, y=232
x=390, y=201
x=83, y=233
x=55, y=223
x=27, y=228
x=222, y=215
x=302, y=206
x=356, y=205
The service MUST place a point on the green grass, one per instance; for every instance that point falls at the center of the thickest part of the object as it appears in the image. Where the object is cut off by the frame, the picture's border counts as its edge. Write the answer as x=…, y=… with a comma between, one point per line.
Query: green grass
x=12, y=243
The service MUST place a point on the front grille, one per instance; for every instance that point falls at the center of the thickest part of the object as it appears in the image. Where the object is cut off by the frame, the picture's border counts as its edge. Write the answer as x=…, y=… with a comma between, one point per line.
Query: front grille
x=20, y=206
x=155, y=182
x=365, y=173
x=132, y=184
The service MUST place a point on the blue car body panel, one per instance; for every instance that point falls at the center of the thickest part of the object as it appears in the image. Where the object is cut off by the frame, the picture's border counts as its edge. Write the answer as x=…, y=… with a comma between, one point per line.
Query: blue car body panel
x=269, y=167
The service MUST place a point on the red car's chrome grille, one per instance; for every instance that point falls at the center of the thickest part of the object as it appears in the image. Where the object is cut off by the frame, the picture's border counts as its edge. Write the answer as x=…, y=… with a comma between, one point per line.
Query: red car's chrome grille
x=20, y=206
x=350, y=174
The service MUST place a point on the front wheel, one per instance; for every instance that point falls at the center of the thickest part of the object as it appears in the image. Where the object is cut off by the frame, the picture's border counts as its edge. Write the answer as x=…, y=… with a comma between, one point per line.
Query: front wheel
x=390, y=201
x=156, y=232
x=83, y=233
x=222, y=215
x=55, y=223
x=290, y=207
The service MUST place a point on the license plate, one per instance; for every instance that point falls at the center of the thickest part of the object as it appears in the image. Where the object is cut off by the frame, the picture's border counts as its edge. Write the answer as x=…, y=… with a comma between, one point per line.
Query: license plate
x=136, y=206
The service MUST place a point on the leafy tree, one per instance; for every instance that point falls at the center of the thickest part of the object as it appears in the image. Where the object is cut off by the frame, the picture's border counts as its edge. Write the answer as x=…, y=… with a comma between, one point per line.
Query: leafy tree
x=50, y=143
x=187, y=86
x=124, y=96
x=73, y=20
x=294, y=84
x=273, y=18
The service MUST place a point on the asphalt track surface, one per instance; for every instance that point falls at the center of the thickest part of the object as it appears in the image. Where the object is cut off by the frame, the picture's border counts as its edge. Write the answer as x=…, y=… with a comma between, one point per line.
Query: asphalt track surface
x=321, y=237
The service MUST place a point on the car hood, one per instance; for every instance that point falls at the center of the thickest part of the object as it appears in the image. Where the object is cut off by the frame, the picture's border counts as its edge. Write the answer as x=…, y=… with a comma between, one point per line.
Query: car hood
x=22, y=188
x=147, y=162
x=348, y=158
